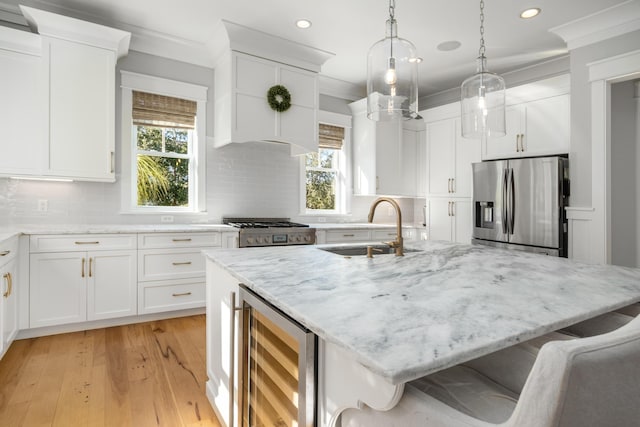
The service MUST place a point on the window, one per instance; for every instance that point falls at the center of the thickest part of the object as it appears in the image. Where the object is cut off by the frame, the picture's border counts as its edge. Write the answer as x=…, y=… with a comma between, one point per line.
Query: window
x=163, y=128
x=163, y=145
x=325, y=173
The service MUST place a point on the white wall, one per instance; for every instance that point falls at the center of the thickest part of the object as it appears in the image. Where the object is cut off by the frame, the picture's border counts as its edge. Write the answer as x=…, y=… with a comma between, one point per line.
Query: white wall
x=624, y=175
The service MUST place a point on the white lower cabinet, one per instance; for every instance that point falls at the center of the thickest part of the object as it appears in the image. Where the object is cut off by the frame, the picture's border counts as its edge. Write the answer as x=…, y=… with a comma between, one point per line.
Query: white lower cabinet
x=171, y=269
x=449, y=219
x=220, y=342
x=70, y=287
x=8, y=293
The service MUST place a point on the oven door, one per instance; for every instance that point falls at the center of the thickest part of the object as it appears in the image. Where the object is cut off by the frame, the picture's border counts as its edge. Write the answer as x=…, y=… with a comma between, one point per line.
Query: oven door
x=277, y=362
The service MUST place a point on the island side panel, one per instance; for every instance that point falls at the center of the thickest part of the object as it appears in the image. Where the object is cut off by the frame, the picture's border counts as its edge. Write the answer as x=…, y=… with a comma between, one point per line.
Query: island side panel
x=344, y=383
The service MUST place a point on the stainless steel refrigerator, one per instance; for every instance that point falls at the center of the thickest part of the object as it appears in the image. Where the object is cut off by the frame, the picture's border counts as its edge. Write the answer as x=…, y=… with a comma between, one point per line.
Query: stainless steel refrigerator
x=519, y=204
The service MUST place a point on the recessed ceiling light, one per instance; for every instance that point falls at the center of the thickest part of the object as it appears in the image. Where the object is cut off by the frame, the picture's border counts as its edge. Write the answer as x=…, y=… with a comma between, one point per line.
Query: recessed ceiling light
x=303, y=23
x=530, y=13
x=449, y=45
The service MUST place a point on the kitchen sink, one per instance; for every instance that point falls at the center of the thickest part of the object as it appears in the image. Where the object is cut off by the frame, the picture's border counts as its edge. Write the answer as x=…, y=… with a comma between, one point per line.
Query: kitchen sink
x=361, y=250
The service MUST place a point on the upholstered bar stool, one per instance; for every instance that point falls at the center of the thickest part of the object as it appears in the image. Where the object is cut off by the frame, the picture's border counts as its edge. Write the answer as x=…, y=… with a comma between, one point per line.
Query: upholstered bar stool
x=584, y=382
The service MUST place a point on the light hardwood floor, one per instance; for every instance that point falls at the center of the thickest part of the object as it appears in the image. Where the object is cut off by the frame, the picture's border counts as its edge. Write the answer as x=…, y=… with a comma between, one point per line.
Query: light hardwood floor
x=147, y=374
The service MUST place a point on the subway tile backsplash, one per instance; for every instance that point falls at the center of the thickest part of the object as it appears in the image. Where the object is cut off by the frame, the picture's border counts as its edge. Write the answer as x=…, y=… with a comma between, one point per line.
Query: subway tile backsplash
x=250, y=179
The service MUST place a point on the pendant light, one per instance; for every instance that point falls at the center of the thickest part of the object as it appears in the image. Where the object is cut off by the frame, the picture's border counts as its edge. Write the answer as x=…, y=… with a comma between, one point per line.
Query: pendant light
x=392, y=75
x=483, y=98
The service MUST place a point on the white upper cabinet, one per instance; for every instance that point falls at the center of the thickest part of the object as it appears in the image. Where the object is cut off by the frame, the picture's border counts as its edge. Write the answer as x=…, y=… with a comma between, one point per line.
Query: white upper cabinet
x=62, y=95
x=449, y=155
x=537, y=119
x=249, y=63
x=22, y=116
x=384, y=154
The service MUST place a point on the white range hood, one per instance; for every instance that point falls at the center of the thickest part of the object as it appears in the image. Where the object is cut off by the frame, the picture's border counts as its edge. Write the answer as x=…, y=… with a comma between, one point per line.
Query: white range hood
x=249, y=63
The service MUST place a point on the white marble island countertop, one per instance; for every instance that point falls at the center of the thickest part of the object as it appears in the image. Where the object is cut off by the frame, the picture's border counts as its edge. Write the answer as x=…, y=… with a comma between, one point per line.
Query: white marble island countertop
x=405, y=317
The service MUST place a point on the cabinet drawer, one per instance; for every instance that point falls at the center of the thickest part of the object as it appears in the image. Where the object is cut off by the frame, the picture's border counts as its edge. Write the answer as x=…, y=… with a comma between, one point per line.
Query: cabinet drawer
x=170, y=264
x=389, y=234
x=346, y=235
x=169, y=296
x=8, y=250
x=178, y=240
x=81, y=242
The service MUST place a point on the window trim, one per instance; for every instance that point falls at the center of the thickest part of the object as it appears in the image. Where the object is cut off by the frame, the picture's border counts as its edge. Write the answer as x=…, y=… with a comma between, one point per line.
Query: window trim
x=343, y=199
x=134, y=81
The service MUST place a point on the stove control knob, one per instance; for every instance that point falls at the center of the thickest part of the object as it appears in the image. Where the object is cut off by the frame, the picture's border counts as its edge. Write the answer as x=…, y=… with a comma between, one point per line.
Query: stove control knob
x=250, y=240
x=307, y=238
x=297, y=238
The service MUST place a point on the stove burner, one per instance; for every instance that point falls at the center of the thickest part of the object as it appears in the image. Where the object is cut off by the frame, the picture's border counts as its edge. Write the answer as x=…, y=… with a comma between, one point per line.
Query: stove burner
x=261, y=223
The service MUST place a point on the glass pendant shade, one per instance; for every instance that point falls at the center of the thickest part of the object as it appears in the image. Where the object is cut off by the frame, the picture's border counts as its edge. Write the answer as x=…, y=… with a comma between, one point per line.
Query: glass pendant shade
x=483, y=104
x=392, y=78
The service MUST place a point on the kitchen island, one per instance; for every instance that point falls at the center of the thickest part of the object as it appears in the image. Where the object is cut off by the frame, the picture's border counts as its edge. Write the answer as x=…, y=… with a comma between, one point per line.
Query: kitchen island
x=400, y=318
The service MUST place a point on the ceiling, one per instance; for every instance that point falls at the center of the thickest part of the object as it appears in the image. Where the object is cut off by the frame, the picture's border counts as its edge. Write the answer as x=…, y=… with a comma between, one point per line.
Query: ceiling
x=348, y=28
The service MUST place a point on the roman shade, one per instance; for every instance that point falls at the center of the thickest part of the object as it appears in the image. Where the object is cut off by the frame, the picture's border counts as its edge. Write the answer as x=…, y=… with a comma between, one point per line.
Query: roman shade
x=330, y=136
x=150, y=109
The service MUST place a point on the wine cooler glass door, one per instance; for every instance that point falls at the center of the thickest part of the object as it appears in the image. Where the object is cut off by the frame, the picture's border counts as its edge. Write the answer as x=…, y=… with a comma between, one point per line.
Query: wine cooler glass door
x=278, y=378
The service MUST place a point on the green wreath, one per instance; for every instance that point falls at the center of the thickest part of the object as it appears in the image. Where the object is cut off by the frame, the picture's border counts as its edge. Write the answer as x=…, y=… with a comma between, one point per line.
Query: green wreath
x=279, y=98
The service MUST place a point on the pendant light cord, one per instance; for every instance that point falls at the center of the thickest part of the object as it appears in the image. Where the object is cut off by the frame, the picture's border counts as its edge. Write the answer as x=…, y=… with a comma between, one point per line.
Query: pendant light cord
x=482, y=48
x=392, y=18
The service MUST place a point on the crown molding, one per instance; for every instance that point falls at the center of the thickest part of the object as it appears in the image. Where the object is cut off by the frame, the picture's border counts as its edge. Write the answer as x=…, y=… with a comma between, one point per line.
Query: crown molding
x=608, y=23
x=341, y=89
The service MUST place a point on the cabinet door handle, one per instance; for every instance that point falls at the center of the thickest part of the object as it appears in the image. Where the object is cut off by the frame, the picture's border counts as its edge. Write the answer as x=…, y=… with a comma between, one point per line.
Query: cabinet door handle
x=112, y=159
x=453, y=185
x=9, y=281
x=90, y=262
x=181, y=240
x=348, y=235
x=182, y=263
x=181, y=294
x=88, y=243
x=517, y=143
x=522, y=142
x=5, y=253
x=453, y=208
x=82, y=269
x=448, y=208
x=377, y=182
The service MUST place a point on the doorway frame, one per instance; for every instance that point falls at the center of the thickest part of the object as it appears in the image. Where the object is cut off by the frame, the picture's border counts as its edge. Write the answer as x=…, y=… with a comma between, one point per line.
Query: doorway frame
x=602, y=74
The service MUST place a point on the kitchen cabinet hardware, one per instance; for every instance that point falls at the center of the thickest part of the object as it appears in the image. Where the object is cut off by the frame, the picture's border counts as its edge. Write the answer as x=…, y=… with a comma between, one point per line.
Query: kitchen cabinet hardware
x=112, y=168
x=88, y=243
x=348, y=235
x=5, y=253
x=182, y=263
x=90, y=266
x=9, y=280
x=181, y=240
x=181, y=294
x=82, y=268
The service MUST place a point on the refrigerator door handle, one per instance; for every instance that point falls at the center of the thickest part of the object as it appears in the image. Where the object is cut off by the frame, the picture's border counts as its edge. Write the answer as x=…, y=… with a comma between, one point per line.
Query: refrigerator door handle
x=505, y=223
x=512, y=202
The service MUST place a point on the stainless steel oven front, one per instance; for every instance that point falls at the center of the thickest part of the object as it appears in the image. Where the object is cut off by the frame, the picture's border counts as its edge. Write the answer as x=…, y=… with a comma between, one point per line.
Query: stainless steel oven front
x=277, y=364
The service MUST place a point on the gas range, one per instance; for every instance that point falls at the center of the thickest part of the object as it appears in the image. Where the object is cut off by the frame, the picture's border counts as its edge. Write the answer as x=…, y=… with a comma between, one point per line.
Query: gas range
x=255, y=232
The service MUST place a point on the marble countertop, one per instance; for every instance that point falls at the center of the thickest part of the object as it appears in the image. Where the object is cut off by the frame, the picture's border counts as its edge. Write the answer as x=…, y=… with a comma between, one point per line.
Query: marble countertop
x=110, y=228
x=357, y=225
x=443, y=304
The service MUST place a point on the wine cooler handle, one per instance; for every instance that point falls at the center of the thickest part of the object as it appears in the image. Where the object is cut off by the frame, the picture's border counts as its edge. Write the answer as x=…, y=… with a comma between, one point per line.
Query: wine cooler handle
x=232, y=355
